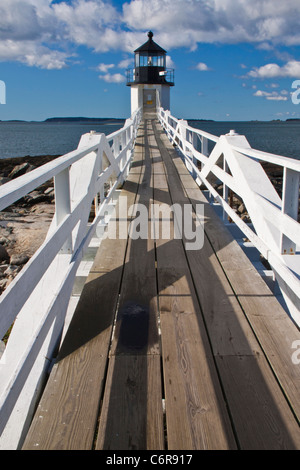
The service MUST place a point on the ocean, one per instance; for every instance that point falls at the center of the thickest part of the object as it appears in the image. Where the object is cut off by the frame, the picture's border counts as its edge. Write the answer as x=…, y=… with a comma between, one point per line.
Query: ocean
x=19, y=139
x=279, y=137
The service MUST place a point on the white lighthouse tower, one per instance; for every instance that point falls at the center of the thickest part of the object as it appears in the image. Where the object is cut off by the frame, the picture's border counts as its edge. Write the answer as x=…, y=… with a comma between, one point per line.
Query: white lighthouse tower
x=148, y=76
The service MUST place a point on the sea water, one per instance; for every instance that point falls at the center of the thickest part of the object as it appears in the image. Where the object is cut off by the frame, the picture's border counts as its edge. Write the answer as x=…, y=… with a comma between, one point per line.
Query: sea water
x=278, y=137
x=19, y=139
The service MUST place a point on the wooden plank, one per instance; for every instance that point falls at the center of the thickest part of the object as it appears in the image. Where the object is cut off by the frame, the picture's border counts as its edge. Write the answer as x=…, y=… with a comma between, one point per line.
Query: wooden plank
x=270, y=427
x=272, y=327
x=132, y=415
x=67, y=415
x=238, y=344
x=195, y=409
x=136, y=324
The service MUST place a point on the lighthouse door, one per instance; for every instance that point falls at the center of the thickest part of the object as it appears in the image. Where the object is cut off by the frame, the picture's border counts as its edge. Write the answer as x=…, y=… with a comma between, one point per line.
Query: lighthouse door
x=149, y=101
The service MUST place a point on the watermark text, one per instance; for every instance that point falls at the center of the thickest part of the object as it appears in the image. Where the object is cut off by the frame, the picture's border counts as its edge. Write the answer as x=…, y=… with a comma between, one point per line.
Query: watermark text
x=158, y=221
x=296, y=354
x=296, y=94
x=2, y=92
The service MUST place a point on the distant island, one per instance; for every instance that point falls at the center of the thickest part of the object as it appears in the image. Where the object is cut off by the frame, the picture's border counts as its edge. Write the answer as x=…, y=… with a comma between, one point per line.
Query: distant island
x=107, y=120
x=200, y=120
x=73, y=119
x=82, y=119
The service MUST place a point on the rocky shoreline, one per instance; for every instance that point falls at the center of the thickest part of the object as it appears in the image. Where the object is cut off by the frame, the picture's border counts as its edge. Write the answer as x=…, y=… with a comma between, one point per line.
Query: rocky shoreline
x=23, y=225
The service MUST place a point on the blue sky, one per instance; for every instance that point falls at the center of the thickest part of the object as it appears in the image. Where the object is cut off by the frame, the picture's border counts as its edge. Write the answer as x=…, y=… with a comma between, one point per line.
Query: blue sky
x=233, y=59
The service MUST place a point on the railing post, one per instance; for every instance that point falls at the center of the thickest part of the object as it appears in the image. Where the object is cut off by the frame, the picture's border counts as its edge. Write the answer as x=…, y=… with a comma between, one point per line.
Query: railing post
x=183, y=131
x=195, y=146
x=63, y=204
x=99, y=195
x=225, y=189
x=290, y=205
x=204, y=149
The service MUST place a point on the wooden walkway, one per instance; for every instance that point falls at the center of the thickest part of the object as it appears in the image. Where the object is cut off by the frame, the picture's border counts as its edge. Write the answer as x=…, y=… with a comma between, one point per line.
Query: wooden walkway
x=171, y=348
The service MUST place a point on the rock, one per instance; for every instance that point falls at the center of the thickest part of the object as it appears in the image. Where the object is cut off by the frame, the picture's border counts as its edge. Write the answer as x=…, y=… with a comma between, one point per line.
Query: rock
x=3, y=268
x=19, y=260
x=4, y=180
x=4, y=256
x=12, y=270
x=242, y=208
x=36, y=197
x=49, y=192
x=20, y=170
x=4, y=241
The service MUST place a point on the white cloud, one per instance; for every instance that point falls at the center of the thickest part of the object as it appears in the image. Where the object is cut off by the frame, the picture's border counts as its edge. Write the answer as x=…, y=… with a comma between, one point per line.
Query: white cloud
x=105, y=67
x=169, y=62
x=41, y=33
x=202, y=67
x=88, y=22
x=32, y=54
x=272, y=96
x=125, y=63
x=113, y=78
x=290, y=69
x=208, y=21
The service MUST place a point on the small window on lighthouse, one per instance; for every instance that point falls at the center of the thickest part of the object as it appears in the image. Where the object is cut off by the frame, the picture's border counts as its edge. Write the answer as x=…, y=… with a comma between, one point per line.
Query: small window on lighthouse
x=149, y=61
x=143, y=61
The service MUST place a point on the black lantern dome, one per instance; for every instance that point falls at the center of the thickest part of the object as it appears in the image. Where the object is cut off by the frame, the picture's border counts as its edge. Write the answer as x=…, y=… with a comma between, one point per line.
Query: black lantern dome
x=150, y=65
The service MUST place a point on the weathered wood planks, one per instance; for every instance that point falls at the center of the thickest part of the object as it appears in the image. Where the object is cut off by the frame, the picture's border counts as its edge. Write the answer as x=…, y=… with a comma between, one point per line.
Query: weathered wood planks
x=197, y=329
x=196, y=412
x=132, y=414
x=225, y=281
x=68, y=412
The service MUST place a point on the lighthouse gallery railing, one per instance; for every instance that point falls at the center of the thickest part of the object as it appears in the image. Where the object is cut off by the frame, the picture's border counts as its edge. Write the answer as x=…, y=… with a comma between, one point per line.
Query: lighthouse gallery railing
x=37, y=300
x=275, y=230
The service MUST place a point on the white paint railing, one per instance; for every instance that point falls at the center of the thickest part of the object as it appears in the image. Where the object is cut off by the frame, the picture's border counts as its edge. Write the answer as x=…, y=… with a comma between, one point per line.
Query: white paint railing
x=275, y=230
x=37, y=300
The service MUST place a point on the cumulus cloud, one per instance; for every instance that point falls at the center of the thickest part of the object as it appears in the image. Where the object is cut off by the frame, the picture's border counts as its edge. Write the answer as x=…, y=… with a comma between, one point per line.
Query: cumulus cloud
x=41, y=33
x=113, y=78
x=202, y=67
x=272, y=96
x=27, y=29
x=105, y=67
x=290, y=69
x=169, y=62
x=225, y=21
x=125, y=63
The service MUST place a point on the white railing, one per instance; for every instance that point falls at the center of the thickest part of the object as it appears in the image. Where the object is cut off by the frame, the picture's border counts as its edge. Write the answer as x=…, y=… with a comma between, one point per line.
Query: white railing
x=274, y=230
x=37, y=300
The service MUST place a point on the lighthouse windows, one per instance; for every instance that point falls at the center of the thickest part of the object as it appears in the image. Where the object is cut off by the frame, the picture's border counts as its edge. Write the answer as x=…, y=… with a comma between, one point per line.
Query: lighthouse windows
x=149, y=61
x=143, y=61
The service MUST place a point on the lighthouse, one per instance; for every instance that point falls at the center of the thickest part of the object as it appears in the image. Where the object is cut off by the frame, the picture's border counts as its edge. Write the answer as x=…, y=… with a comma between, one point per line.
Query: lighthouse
x=149, y=76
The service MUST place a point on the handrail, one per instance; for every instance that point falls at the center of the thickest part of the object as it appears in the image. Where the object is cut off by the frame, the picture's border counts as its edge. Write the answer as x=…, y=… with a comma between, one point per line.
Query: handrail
x=37, y=299
x=274, y=228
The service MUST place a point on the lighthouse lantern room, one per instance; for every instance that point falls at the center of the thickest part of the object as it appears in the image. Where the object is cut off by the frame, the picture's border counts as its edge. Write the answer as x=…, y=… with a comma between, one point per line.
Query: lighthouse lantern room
x=148, y=76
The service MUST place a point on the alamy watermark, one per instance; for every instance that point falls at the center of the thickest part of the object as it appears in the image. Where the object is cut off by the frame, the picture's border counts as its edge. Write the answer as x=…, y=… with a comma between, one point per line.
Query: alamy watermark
x=296, y=354
x=296, y=94
x=158, y=221
x=2, y=92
